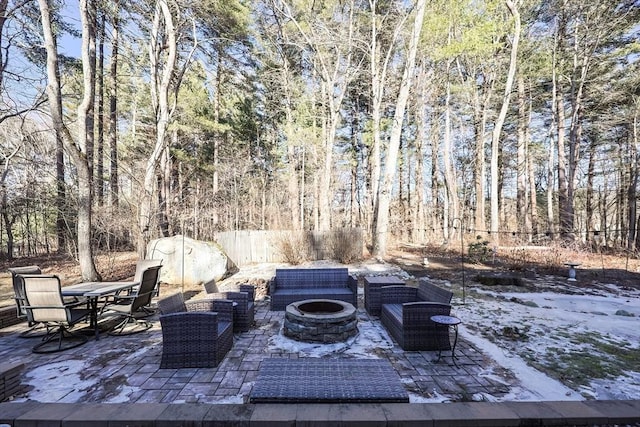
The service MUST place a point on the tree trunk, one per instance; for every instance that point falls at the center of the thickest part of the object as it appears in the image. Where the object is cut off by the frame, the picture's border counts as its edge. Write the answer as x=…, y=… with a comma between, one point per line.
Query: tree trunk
x=215, y=187
x=293, y=186
x=521, y=167
x=86, y=136
x=480, y=112
x=436, y=205
x=353, y=183
x=497, y=130
x=8, y=224
x=633, y=188
x=376, y=105
x=164, y=189
x=550, y=161
x=632, y=195
x=380, y=235
x=61, y=193
x=163, y=38
x=453, y=206
x=3, y=55
x=114, y=190
x=85, y=254
x=334, y=103
x=621, y=191
x=99, y=175
x=589, y=204
x=419, y=223
x=4, y=205
x=565, y=213
x=533, y=196
x=578, y=80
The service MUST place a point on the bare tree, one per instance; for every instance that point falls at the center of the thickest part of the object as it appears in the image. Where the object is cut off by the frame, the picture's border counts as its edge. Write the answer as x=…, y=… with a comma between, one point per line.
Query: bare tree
x=380, y=232
x=332, y=45
x=165, y=84
x=497, y=130
x=73, y=148
x=113, y=108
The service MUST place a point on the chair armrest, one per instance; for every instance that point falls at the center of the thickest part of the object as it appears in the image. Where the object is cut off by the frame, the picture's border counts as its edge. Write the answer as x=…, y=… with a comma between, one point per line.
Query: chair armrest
x=224, y=308
x=271, y=286
x=352, y=283
x=421, y=312
x=242, y=298
x=250, y=290
x=398, y=294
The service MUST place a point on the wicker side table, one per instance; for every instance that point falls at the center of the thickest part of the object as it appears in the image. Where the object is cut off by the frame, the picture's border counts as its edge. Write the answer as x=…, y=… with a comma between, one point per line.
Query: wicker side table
x=372, y=285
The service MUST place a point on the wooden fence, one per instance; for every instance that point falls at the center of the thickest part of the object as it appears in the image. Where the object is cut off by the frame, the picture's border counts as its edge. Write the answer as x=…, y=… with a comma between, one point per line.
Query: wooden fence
x=257, y=246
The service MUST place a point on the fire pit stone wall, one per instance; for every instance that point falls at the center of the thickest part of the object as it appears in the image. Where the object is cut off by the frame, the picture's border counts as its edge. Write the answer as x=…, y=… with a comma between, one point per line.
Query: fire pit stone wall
x=319, y=320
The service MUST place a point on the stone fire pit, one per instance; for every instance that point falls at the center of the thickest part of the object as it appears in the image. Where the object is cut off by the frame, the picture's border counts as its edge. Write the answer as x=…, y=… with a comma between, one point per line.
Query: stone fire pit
x=320, y=320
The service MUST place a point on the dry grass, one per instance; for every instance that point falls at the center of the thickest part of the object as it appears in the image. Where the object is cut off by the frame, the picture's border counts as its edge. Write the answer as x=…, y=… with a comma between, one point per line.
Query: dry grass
x=111, y=266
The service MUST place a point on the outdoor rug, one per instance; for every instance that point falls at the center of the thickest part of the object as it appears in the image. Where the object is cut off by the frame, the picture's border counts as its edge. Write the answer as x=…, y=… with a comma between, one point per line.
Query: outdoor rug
x=327, y=381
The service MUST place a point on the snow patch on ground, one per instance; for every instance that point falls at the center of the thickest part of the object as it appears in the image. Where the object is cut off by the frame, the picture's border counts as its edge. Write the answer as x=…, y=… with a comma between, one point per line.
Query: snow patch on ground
x=58, y=382
x=548, y=323
x=371, y=336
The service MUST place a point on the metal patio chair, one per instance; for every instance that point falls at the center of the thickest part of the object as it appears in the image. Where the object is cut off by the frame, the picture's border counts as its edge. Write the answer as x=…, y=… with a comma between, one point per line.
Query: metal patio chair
x=128, y=305
x=45, y=304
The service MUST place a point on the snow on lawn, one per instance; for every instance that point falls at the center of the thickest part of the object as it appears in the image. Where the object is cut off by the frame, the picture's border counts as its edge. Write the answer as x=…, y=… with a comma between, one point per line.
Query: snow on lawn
x=589, y=342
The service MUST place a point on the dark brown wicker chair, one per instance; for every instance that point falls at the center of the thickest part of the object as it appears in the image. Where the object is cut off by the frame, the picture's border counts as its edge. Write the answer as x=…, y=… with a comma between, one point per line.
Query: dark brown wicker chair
x=243, y=311
x=406, y=314
x=196, y=333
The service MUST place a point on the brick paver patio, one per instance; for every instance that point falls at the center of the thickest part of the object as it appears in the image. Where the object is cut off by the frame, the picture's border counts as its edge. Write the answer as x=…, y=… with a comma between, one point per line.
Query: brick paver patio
x=126, y=368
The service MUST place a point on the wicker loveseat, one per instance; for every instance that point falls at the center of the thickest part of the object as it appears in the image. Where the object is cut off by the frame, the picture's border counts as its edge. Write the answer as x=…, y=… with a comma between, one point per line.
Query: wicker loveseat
x=297, y=284
x=406, y=313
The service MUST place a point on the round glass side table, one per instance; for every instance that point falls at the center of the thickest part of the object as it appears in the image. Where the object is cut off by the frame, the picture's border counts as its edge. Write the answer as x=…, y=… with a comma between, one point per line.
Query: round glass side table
x=450, y=321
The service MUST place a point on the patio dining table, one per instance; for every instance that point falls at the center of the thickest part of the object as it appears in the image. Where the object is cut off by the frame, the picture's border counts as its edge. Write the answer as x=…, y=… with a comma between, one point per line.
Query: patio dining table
x=93, y=291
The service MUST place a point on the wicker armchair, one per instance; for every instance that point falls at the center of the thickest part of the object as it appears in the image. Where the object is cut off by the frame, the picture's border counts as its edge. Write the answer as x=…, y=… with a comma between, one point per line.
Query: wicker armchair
x=195, y=334
x=243, y=310
x=407, y=317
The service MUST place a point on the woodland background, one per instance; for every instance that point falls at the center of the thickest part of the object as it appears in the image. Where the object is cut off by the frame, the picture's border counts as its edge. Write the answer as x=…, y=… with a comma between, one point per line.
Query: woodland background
x=481, y=121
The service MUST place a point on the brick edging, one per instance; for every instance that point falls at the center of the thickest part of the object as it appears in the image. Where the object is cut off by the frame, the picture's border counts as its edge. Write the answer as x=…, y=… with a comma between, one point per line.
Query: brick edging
x=8, y=316
x=10, y=379
x=385, y=414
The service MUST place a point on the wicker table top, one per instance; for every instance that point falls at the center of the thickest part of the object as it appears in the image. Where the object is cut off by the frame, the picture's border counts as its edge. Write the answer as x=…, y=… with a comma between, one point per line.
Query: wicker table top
x=327, y=381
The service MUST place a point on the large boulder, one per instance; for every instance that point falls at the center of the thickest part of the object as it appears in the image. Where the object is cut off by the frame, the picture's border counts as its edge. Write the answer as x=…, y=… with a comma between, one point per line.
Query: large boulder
x=190, y=262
